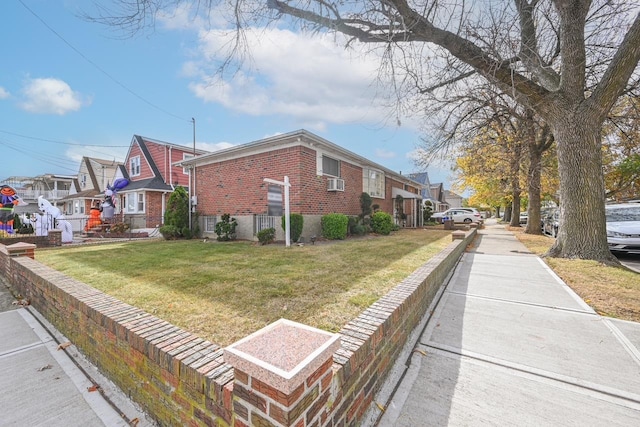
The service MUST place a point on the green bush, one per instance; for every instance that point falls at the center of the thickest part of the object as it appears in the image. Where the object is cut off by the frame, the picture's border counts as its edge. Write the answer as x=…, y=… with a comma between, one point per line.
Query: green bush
x=266, y=236
x=365, y=205
x=226, y=228
x=353, y=221
x=427, y=212
x=334, y=226
x=382, y=223
x=296, y=221
x=170, y=232
x=359, y=230
x=176, y=217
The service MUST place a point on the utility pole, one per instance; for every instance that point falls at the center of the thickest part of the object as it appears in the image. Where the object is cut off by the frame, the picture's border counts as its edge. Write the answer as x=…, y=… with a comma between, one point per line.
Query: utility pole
x=192, y=177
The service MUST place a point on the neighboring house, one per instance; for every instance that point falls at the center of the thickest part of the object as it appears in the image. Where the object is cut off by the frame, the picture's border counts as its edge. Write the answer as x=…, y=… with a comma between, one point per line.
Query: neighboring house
x=437, y=194
x=152, y=174
x=324, y=178
x=88, y=187
x=52, y=187
x=454, y=200
x=425, y=188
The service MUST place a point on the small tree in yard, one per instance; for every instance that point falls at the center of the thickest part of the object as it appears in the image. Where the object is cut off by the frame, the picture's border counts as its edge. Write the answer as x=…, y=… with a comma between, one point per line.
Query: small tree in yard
x=226, y=228
x=427, y=211
x=176, y=217
x=365, y=205
x=296, y=222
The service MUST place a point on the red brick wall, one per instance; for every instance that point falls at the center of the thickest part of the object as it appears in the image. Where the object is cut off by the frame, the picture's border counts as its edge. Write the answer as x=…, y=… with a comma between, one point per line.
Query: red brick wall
x=237, y=186
x=153, y=208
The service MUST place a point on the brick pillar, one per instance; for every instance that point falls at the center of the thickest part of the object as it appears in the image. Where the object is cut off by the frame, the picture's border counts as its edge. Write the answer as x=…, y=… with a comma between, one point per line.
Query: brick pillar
x=55, y=237
x=282, y=375
x=22, y=249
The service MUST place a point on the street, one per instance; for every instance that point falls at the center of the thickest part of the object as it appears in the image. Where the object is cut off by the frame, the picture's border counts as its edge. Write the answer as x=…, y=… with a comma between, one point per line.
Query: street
x=629, y=260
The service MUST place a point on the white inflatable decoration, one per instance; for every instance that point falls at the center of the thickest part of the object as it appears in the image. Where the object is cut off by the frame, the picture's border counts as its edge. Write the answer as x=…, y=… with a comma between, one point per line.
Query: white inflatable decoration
x=55, y=214
x=40, y=224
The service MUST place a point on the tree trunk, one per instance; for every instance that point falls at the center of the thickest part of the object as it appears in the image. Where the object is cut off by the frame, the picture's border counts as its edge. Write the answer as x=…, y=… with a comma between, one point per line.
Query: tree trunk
x=533, y=188
x=581, y=189
x=516, y=191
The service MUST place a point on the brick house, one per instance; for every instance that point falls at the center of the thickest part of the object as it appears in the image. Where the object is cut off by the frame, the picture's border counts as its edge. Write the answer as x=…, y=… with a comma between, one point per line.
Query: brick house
x=324, y=177
x=150, y=168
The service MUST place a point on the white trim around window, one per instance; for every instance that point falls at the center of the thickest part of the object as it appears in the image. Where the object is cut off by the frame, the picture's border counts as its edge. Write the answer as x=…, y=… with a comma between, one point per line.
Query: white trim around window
x=134, y=202
x=134, y=166
x=373, y=182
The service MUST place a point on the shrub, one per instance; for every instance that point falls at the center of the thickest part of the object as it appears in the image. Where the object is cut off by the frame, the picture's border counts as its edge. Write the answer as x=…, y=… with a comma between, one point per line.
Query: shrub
x=365, y=205
x=353, y=221
x=17, y=222
x=176, y=217
x=226, y=228
x=26, y=229
x=296, y=221
x=334, y=226
x=170, y=232
x=382, y=223
x=120, y=227
x=428, y=211
x=359, y=230
x=266, y=236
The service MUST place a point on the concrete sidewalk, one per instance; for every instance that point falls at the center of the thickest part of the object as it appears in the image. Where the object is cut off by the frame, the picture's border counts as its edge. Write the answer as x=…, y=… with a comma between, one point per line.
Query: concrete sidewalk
x=42, y=385
x=510, y=344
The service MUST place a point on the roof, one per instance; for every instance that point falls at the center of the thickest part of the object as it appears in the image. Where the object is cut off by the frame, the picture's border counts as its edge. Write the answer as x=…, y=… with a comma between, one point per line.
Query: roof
x=150, y=184
x=299, y=137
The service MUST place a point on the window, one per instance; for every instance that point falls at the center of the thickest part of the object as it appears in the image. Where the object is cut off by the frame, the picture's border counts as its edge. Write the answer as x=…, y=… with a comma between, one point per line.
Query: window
x=330, y=166
x=186, y=156
x=78, y=206
x=83, y=180
x=134, y=166
x=210, y=224
x=134, y=202
x=373, y=183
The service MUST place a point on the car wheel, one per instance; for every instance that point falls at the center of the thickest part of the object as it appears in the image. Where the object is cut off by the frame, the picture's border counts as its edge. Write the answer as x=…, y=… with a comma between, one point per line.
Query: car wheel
x=467, y=220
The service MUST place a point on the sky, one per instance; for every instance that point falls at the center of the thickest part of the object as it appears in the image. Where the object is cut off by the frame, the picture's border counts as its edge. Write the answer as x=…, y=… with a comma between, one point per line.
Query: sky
x=71, y=88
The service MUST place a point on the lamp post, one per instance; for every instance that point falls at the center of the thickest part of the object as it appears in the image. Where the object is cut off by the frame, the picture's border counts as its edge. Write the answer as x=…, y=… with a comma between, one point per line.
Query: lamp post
x=287, y=225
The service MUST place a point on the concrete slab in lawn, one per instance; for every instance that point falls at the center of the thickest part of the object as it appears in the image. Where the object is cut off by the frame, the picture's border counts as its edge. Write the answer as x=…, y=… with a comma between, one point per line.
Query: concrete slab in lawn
x=446, y=389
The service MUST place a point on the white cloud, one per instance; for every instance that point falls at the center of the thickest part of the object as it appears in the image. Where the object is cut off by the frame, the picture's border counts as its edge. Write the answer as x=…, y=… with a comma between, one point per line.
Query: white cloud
x=384, y=154
x=77, y=152
x=4, y=94
x=213, y=146
x=308, y=77
x=50, y=96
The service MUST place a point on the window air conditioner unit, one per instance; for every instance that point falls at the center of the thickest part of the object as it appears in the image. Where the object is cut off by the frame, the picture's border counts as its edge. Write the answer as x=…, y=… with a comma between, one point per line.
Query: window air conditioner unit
x=335, y=184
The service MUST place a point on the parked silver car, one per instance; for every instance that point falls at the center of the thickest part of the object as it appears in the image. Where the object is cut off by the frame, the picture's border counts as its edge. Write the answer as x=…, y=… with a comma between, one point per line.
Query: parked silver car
x=465, y=215
x=551, y=223
x=623, y=227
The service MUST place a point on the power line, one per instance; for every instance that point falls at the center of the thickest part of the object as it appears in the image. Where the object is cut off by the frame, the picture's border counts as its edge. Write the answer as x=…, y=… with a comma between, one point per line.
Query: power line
x=118, y=82
x=62, y=142
x=56, y=161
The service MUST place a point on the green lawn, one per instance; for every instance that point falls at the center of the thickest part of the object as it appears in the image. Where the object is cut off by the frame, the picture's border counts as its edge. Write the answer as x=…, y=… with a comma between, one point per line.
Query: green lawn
x=225, y=291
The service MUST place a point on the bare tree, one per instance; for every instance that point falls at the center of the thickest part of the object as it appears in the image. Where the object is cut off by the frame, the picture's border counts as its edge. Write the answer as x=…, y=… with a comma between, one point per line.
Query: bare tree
x=568, y=72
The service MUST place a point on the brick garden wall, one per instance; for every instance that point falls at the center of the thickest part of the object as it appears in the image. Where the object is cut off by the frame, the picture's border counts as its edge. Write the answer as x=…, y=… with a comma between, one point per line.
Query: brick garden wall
x=181, y=379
